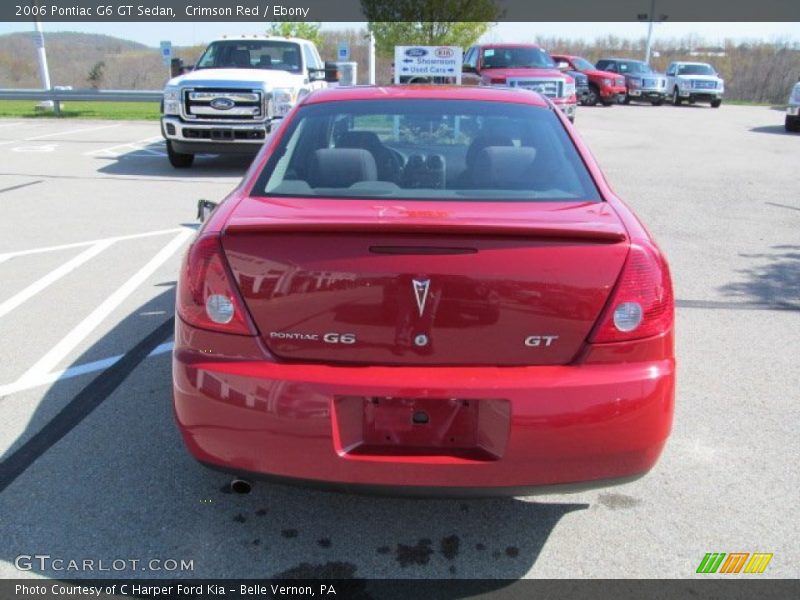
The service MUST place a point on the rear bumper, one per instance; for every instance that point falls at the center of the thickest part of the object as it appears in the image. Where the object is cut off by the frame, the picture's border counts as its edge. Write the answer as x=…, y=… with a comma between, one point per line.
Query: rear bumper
x=554, y=426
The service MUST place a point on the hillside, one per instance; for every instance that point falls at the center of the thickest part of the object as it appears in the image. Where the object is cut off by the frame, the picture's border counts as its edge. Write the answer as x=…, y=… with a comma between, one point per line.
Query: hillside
x=71, y=56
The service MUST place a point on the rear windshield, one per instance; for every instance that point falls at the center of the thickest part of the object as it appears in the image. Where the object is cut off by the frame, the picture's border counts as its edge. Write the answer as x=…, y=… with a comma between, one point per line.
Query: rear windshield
x=426, y=150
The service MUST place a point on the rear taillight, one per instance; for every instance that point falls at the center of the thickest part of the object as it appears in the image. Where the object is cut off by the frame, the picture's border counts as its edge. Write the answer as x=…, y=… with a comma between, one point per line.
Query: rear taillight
x=207, y=295
x=642, y=304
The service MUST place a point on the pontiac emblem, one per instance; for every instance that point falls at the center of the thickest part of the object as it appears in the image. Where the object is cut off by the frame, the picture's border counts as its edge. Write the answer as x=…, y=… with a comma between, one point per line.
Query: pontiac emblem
x=421, y=293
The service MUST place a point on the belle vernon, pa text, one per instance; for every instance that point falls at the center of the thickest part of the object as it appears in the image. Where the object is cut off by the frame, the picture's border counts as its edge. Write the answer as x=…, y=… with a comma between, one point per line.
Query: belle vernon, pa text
x=154, y=591
x=261, y=11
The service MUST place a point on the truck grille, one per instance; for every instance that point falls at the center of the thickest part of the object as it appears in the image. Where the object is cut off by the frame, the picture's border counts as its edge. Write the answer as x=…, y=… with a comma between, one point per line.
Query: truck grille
x=704, y=85
x=553, y=88
x=223, y=104
x=654, y=83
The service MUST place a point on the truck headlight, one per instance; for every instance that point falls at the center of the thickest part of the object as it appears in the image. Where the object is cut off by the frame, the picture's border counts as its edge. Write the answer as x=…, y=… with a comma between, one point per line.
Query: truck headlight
x=283, y=100
x=607, y=82
x=172, y=101
x=569, y=89
x=685, y=84
x=636, y=83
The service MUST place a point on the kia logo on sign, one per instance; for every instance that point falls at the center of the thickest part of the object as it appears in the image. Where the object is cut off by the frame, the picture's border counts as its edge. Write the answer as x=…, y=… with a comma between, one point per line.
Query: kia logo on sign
x=444, y=53
x=222, y=103
x=416, y=52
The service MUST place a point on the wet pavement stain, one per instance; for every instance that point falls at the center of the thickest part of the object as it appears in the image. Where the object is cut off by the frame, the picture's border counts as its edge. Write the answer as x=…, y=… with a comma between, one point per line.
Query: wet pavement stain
x=329, y=570
x=324, y=543
x=449, y=546
x=480, y=547
x=289, y=533
x=240, y=518
x=512, y=551
x=420, y=554
x=256, y=542
x=464, y=507
x=383, y=550
x=261, y=512
x=618, y=501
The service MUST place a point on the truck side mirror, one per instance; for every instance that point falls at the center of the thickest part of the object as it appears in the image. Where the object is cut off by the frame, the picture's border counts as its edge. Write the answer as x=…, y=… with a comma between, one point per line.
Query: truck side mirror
x=562, y=65
x=331, y=72
x=175, y=67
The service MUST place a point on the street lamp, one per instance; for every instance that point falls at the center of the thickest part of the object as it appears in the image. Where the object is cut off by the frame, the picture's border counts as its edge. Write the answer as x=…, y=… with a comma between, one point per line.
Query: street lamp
x=649, y=17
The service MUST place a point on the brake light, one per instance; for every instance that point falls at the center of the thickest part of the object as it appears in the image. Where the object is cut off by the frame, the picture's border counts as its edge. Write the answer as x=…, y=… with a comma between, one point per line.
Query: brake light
x=207, y=296
x=497, y=81
x=642, y=303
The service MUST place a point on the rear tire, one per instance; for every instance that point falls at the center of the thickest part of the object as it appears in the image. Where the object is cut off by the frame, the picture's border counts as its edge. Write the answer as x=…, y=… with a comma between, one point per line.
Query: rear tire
x=716, y=103
x=179, y=160
x=676, y=98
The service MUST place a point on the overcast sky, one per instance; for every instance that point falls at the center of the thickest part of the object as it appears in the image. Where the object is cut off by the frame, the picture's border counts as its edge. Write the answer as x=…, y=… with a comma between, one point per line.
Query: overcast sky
x=184, y=34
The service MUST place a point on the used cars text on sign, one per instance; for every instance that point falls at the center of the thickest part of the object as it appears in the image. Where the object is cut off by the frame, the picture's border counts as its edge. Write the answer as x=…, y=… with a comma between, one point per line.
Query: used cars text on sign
x=411, y=62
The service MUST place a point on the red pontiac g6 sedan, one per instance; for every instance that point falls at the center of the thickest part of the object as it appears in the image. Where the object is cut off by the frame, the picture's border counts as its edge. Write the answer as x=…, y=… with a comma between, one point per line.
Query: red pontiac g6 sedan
x=425, y=289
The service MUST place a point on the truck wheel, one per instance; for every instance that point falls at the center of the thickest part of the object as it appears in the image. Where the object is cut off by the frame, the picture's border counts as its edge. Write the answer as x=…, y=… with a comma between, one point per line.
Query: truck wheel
x=716, y=103
x=626, y=99
x=591, y=97
x=657, y=102
x=179, y=160
x=676, y=98
x=792, y=124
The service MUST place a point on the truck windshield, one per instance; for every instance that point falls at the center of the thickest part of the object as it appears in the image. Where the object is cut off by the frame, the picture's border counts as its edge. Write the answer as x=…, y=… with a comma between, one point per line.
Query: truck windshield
x=582, y=64
x=516, y=58
x=252, y=54
x=695, y=70
x=634, y=67
x=426, y=150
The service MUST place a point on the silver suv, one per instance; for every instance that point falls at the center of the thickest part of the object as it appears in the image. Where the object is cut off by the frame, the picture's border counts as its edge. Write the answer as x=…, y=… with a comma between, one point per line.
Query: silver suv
x=695, y=82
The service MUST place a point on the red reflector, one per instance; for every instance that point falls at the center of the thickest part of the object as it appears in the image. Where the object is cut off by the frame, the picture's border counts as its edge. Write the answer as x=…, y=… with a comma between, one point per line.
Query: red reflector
x=205, y=273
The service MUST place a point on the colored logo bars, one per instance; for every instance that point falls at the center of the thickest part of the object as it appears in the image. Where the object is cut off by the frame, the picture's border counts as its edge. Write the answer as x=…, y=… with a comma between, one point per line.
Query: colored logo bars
x=736, y=562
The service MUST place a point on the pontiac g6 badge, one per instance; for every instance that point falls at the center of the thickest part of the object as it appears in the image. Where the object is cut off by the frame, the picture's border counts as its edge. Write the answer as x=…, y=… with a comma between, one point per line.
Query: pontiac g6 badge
x=421, y=293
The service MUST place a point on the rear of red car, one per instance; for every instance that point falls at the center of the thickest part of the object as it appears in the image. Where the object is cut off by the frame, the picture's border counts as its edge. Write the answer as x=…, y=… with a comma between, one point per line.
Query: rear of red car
x=425, y=289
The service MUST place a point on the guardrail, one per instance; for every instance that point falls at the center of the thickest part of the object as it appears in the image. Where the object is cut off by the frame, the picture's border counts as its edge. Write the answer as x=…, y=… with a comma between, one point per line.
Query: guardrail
x=57, y=96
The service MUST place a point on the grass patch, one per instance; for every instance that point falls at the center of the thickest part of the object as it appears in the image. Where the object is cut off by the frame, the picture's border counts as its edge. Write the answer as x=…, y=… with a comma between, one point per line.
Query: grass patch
x=136, y=111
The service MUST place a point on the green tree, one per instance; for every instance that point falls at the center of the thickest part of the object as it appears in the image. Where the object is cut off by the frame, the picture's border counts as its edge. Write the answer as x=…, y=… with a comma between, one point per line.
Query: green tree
x=428, y=22
x=96, y=74
x=298, y=29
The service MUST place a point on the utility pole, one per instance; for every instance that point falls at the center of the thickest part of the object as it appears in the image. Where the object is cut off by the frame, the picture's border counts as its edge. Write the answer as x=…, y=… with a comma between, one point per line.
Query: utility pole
x=371, y=58
x=651, y=16
x=44, y=72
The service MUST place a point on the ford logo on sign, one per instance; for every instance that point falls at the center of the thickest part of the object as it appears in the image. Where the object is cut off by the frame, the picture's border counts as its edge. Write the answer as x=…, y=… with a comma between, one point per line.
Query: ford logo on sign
x=416, y=52
x=222, y=103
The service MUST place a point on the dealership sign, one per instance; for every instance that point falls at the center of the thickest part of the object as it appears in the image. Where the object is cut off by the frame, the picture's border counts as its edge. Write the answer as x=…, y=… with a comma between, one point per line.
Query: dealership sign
x=411, y=62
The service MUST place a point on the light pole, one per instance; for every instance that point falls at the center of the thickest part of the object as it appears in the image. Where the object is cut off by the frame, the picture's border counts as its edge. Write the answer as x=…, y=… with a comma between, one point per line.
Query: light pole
x=44, y=72
x=650, y=18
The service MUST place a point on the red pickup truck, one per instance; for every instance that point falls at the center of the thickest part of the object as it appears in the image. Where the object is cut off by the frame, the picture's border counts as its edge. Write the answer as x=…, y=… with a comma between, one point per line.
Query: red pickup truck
x=604, y=87
x=520, y=65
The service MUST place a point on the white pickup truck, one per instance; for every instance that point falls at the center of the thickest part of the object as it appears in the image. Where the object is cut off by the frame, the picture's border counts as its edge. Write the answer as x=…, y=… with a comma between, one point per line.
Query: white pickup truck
x=229, y=99
x=694, y=82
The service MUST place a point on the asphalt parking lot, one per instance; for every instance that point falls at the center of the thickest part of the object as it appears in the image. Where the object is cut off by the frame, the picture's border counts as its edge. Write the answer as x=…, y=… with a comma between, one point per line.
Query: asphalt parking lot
x=94, y=221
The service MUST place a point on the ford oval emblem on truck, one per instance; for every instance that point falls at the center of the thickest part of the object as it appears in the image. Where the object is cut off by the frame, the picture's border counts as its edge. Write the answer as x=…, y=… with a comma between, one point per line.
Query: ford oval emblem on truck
x=222, y=103
x=416, y=52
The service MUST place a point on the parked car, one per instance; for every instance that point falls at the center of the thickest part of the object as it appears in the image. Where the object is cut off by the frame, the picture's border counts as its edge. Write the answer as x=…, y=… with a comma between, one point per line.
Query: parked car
x=520, y=65
x=229, y=100
x=793, y=109
x=643, y=84
x=694, y=82
x=604, y=86
x=581, y=85
x=426, y=288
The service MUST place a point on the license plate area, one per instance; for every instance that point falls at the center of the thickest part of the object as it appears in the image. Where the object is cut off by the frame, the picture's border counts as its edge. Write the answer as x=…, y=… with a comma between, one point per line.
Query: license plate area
x=386, y=426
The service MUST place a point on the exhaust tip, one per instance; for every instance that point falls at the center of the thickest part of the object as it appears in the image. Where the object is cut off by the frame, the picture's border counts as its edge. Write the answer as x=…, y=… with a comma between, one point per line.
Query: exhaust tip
x=241, y=486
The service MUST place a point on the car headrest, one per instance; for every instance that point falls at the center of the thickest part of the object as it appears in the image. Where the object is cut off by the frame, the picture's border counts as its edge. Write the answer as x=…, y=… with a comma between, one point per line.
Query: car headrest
x=240, y=58
x=359, y=139
x=505, y=167
x=290, y=58
x=341, y=167
x=265, y=61
x=484, y=140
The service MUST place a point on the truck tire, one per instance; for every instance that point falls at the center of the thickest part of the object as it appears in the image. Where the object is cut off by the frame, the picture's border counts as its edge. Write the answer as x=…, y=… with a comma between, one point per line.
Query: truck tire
x=592, y=96
x=657, y=102
x=179, y=160
x=792, y=124
x=716, y=103
x=676, y=98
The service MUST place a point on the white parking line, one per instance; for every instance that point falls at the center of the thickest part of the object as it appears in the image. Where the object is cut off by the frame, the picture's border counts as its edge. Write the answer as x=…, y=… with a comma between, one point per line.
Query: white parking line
x=51, y=359
x=53, y=276
x=7, y=255
x=76, y=371
x=68, y=132
x=138, y=145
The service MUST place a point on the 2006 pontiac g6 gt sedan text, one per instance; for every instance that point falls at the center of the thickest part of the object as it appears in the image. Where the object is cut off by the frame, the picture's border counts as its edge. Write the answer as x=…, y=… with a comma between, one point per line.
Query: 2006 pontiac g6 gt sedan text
x=425, y=289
